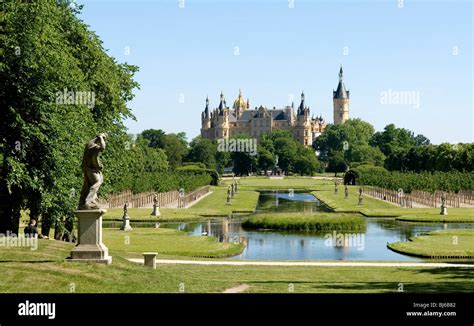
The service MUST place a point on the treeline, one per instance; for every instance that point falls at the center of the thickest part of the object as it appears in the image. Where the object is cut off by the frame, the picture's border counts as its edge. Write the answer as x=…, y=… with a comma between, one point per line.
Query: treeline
x=45, y=124
x=146, y=168
x=397, y=149
x=276, y=150
x=453, y=181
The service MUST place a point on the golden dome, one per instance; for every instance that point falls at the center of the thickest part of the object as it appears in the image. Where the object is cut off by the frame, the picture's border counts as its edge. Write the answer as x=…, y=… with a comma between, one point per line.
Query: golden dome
x=240, y=102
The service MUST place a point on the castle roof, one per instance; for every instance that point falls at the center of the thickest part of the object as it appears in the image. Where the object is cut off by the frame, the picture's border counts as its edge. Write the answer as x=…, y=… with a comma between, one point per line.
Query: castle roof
x=341, y=92
x=240, y=102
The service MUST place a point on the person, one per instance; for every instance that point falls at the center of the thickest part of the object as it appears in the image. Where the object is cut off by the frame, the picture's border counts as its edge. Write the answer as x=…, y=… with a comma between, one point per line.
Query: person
x=31, y=230
x=91, y=167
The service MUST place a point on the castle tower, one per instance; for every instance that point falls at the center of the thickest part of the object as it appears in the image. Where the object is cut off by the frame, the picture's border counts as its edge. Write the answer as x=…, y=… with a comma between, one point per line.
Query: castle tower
x=222, y=127
x=303, y=124
x=239, y=105
x=340, y=98
x=206, y=117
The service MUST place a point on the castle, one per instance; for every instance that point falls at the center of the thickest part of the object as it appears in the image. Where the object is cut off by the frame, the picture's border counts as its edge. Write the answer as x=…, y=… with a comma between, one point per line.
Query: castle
x=224, y=122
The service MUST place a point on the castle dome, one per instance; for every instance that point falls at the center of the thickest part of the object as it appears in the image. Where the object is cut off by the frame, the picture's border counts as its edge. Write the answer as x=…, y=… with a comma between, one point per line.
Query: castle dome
x=240, y=102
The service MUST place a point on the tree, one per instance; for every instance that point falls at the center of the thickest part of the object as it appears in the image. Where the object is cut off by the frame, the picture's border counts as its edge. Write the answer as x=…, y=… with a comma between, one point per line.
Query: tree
x=395, y=140
x=354, y=132
x=156, y=137
x=337, y=163
x=367, y=154
x=286, y=150
x=266, y=160
x=176, y=149
x=306, y=162
x=58, y=89
x=202, y=150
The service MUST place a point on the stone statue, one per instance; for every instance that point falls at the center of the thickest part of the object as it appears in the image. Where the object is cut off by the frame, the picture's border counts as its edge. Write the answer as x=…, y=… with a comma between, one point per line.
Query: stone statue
x=92, y=169
x=444, y=208
x=125, y=219
x=156, y=207
x=228, y=196
x=236, y=186
x=346, y=192
x=335, y=186
x=125, y=209
x=360, y=196
x=232, y=189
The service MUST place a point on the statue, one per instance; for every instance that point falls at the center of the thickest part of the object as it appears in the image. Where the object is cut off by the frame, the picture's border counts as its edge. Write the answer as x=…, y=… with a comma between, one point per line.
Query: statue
x=156, y=206
x=235, y=187
x=360, y=196
x=346, y=192
x=232, y=190
x=228, y=196
x=444, y=208
x=335, y=186
x=92, y=169
x=125, y=219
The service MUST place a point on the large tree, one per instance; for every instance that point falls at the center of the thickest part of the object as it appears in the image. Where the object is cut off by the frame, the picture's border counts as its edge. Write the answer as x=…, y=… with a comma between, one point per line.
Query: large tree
x=50, y=61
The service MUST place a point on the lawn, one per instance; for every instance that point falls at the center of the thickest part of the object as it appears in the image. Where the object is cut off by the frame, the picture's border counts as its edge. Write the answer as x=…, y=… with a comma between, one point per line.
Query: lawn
x=460, y=215
x=372, y=207
x=59, y=276
x=439, y=244
x=167, y=242
x=307, y=221
x=213, y=205
x=296, y=183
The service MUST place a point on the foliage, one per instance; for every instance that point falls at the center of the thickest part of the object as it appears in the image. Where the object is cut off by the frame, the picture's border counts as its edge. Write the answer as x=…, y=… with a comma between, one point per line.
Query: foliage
x=427, y=181
x=49, y=54
x=306, y=222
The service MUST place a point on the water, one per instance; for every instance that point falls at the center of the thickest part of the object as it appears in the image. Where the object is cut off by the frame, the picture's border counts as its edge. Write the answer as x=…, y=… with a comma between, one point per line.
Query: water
x=277, y=245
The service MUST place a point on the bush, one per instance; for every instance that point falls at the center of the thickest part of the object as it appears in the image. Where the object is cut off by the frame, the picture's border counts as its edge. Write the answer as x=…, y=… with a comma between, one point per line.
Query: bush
x=428, y=181
x=306, y=222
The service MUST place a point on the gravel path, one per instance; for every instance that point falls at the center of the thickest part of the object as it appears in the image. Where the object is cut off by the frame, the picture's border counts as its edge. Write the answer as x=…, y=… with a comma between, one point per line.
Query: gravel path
x=298, y=263
x=238, y=289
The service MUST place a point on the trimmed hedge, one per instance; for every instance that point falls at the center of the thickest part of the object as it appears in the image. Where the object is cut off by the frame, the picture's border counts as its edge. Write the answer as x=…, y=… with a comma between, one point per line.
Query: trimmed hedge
x=306, y=222
x=428, y=181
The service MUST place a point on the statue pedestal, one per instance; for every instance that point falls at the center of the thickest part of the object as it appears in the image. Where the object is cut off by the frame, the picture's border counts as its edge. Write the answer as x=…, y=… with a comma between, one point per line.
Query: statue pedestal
x=156, y=211
x=126, y=224
x=444, y=210
x=90, y=247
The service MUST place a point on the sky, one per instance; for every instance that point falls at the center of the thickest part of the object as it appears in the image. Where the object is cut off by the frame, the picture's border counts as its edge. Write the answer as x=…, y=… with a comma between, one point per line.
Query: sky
x=405, y=62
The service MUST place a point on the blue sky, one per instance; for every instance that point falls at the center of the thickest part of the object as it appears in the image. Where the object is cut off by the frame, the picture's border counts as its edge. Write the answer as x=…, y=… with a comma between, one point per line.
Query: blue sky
x=273, y=52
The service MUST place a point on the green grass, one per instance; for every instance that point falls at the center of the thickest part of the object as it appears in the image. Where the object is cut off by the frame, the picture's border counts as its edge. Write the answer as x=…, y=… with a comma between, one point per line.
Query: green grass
x=438, y=244
x=143, y=214
x=213, y=205
x=59, y=276
x=244, y=201
x=378, y=208
x=459, y=215
x=307, y=222
x=296, y=183
x=167, y=242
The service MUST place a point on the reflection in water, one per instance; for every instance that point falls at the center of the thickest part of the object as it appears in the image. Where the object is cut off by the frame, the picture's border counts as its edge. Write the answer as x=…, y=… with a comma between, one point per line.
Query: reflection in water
x=288, y=202
x=266, y=245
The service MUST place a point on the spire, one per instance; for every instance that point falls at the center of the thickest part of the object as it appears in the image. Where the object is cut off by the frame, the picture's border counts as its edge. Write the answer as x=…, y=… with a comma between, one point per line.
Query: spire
x=341, y=92
x=222, y=104
x=301, y=107
x=248, y=103
x=206, y=110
